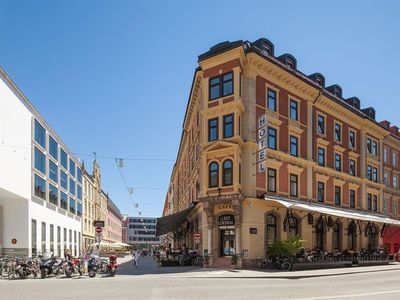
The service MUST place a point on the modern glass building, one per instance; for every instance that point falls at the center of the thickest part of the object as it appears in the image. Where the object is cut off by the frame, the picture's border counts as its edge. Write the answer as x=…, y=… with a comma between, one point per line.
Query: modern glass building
x=40, y=181
x=142, y=231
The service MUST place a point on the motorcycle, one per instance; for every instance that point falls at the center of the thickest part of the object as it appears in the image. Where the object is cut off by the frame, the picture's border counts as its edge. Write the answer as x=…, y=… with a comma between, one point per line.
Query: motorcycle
x=49, y=264
x=94, y=266
x=72, y=266
x=26, y=268
x=112, y=265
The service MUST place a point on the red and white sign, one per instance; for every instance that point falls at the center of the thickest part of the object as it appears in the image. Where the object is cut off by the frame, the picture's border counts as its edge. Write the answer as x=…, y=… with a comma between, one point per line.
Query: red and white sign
x=197, y=238
x=99, y=229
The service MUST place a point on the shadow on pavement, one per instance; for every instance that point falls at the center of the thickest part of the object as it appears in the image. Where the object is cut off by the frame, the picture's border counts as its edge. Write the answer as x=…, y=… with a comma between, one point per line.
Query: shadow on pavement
x=149, y=266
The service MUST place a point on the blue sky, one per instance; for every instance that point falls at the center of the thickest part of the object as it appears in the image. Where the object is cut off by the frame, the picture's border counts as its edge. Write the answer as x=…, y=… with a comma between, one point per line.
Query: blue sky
x=113, y=77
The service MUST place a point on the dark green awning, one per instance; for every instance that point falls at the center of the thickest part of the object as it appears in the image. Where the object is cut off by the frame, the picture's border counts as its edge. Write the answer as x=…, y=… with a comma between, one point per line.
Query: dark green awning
x=171, y=222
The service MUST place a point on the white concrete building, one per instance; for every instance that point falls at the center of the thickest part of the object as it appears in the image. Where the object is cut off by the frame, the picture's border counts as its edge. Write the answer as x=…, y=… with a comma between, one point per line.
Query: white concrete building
x=141, y=231
x=40, y=181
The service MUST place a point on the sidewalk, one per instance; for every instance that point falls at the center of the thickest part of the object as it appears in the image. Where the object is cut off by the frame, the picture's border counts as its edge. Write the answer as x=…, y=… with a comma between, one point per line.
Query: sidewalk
x=233, y=273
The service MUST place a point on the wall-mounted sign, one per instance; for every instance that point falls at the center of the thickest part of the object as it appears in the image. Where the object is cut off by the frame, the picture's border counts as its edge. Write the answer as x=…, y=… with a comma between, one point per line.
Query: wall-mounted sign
x=14, y=241
x=98, y=223
x=253, y=230
x=197, y=238
x=226, y=220
x=262, y=143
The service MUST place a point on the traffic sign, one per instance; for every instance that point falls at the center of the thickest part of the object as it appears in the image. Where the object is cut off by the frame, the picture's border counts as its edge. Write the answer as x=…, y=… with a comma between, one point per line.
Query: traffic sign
x=99, y=229
x=197, y=238
x=98, y=223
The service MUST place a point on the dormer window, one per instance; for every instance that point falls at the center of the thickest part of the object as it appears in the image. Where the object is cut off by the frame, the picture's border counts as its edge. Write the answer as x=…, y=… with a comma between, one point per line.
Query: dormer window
x=319, y=81
x=290, y=63
x=267, y=48
x=335, y=90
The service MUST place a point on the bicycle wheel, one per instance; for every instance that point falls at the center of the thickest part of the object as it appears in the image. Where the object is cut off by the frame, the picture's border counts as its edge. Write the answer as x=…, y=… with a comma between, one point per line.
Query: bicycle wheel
x=286, y=266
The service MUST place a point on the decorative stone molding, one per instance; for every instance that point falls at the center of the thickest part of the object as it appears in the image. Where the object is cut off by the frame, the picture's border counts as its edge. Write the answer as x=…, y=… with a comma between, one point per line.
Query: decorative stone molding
x=322, y=142
x=338, y=148
x=338, y=182
x=321, y=177
x=353, y=155
x=294, y=169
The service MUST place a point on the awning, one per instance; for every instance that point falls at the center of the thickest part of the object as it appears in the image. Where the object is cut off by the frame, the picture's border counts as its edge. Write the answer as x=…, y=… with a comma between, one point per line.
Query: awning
x=333, y=211
x=171, y=222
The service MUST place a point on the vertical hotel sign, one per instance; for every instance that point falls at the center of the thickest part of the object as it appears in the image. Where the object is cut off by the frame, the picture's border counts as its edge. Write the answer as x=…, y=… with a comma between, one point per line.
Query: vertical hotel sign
x=262, y=143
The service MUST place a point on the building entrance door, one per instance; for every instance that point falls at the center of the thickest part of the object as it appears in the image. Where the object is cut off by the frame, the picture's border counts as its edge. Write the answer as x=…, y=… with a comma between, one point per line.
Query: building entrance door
x=227, y=242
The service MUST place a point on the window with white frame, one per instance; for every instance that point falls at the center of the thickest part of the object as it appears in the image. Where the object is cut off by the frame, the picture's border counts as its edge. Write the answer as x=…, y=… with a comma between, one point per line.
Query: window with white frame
x=385, y=155
x=394, y=159
x=395, y=183
x=352, y=139
x=338, y=132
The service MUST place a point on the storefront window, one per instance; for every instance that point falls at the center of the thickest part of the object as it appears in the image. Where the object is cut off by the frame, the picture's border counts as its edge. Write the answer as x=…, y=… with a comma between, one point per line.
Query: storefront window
x=336, y=236
x=351, y=236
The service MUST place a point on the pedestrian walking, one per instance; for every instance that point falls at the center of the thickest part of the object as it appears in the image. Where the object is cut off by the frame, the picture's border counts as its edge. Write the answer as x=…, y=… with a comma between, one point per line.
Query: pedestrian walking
x=136, y=256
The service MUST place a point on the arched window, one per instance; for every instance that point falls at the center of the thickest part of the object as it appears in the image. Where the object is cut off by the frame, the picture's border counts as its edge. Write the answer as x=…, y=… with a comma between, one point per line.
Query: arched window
x=227, y=172
x=213, y=175
x=271, y=230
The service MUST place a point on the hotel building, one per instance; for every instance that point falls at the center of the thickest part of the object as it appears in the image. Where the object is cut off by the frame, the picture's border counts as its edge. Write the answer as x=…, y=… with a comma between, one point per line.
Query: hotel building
x=268, y=152
x=40, y=181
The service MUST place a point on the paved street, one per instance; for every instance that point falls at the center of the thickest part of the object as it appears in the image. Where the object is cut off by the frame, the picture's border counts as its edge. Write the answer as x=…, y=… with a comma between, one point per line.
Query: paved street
x=152, y=282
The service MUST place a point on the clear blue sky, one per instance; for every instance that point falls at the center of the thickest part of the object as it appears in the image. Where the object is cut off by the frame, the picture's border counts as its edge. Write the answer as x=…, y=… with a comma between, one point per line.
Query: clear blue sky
x=114, y=76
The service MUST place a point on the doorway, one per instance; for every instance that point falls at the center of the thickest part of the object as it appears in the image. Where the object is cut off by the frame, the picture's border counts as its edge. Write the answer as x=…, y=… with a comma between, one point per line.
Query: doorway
x=227, y=242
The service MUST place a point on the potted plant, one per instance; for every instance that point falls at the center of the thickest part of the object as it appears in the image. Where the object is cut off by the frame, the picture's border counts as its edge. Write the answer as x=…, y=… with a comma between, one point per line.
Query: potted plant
x=234, y=260
x=206, y=261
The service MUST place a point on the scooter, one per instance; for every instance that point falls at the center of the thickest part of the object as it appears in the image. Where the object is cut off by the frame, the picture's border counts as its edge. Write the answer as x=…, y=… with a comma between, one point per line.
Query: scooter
x=93, y=266
x=112, y=265
x=26, y=268
x=72, y=266
x=50, y=264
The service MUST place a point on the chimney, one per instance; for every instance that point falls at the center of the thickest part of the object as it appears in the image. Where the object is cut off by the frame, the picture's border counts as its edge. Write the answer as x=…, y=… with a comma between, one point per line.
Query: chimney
x=385, y=124
x=394, y=130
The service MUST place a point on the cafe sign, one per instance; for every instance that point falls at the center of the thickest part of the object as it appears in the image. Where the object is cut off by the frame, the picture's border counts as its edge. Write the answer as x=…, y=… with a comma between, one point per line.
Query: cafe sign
x=226, y=220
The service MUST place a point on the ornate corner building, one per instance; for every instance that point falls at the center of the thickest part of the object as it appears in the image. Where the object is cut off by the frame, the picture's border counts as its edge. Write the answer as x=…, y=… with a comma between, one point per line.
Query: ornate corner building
x=268, y=152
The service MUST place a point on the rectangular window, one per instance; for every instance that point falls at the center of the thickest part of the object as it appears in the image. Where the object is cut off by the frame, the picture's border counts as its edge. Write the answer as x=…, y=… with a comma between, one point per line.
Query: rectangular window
x=338, y=132
x=75, y=243
x=338, y=197
x=53, y=148
x=369, y=172
x=271, y=180
x=34, y=237
x=369, y=201
x=79, y=175
x=70, y=240
x=385, y=155
x=228, y=126
x=394, y=159
x=352, y=169
x=294, y=146
x=65, y=238
x=352, y=198
x=214, y=88
x=59, y=241
x=271, y=100
x=43, y=237
x=369, y=145
x=294, y=109
x=79, y=209
x=321, y=192
x=272, y=144
x=71, y=167
x=227, y=84
x=72, y=206
x=213, y=129
x=374, y=174
x=395, y=182
x=40, y=161
x=321, y=156
x=64, y=180
x=53, y=194
x=293, y=185
x=221, y=86
x=386, y=179
x=321, y=125
x=40, y=135
x=374, y=148
x=375, y=203
x=72, y=186
x=53, y=171
x=52, y=238
x=352, y=139
x=40, y=187
x=64, y=159
x=338, y=162
x=79, y=192
x=64, y=200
